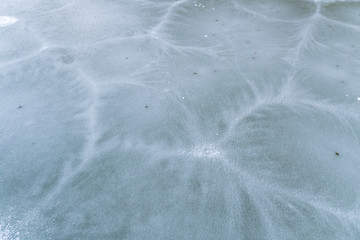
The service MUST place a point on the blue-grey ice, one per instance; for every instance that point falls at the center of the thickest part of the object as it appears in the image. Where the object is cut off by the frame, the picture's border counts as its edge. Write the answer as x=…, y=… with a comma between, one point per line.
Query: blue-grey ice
x=180, y=119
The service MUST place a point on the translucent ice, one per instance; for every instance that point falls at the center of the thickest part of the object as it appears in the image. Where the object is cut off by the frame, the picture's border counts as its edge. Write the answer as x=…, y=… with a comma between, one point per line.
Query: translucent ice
x=179, y=119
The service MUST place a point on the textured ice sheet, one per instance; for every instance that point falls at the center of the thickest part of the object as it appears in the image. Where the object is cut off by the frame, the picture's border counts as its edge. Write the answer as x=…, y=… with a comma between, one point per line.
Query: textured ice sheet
x=164, y=119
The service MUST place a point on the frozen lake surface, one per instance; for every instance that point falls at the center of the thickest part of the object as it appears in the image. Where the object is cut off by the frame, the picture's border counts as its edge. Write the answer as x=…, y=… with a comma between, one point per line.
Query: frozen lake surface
x=179, y=119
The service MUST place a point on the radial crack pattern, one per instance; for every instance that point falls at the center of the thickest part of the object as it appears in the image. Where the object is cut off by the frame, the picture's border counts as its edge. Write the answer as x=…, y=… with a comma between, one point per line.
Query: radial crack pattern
x=180, y=119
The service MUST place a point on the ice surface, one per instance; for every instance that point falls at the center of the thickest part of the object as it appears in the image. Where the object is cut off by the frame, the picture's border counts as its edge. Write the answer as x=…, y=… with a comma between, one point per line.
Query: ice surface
x=5, y=21
x=179, y=119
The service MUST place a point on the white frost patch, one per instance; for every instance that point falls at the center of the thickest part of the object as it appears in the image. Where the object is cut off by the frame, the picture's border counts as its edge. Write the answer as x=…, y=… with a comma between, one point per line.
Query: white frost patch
x=6, y=234
x=203, y=151
x=6, y=21
x=206, y=151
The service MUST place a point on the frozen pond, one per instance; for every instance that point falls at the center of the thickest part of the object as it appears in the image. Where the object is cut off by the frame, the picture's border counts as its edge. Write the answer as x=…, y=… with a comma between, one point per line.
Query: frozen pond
x=179, y=119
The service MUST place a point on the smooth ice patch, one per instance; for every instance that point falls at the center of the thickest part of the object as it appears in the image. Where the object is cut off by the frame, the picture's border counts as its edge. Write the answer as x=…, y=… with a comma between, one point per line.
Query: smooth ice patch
x=6, y=21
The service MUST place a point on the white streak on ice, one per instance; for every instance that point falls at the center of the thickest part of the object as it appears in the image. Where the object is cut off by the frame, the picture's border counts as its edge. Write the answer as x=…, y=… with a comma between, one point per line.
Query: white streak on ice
x=6, y=21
